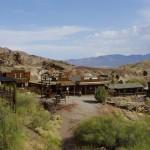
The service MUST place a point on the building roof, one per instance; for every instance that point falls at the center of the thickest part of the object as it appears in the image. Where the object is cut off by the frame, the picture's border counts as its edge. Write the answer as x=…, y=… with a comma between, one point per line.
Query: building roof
x=39, y=82
x=93, y=83
x=125, y=86
x=66, y=83
x=6, y=79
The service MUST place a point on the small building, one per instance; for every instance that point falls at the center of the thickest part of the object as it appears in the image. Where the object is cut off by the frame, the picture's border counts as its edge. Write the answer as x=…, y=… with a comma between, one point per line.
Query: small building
x=126, y=89
x=89, y=84
x=89, y=87
x=21, y=76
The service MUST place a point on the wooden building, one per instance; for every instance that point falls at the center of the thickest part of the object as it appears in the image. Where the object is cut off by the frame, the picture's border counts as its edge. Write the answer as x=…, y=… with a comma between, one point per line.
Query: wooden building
x=21, y=76
x=88, y=85
x=126, y=89
x=74, y=84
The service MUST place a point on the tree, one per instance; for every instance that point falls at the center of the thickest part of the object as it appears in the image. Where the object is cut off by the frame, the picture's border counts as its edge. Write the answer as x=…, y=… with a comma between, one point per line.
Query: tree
x=101, y=94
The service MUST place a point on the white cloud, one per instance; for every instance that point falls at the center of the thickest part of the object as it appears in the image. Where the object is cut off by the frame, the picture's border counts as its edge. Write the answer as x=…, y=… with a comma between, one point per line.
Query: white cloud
x=132, y=40
x=145, y=14
x=42, y=41
x=40, y=34
x=106, y=34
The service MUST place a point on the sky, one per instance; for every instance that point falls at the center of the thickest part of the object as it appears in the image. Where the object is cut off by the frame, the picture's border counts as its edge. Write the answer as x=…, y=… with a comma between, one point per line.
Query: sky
x=72, y=29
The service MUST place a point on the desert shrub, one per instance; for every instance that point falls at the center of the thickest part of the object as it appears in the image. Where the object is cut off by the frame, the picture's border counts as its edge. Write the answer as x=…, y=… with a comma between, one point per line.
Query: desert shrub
x=137, y=80
x=113, y=133
x=101, y=94
x=11, y=135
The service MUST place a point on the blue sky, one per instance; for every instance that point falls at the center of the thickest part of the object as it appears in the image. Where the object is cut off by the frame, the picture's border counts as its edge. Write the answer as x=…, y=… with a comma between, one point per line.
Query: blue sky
x=65, y=29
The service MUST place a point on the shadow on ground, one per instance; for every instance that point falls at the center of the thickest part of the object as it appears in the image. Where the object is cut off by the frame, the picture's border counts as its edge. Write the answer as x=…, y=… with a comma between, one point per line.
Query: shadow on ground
x=91, y=101
x=68, y=144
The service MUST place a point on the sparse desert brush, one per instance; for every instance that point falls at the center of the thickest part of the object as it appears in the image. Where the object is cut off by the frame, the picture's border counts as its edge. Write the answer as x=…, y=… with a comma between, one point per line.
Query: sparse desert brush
x=35, y=117
x=137, y=80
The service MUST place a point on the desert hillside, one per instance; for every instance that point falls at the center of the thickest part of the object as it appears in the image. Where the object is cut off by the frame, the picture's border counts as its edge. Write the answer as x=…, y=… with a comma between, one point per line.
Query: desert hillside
x=138, y=67
x=20, y=60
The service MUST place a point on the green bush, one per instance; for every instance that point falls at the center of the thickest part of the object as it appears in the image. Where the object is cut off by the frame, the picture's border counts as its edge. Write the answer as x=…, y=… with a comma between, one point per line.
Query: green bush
x=11, y=135
x=101, y=94
x=114, y=133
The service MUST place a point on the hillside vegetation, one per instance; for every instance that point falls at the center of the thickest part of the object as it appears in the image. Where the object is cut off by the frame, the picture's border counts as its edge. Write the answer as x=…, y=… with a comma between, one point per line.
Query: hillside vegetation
x=31, y=127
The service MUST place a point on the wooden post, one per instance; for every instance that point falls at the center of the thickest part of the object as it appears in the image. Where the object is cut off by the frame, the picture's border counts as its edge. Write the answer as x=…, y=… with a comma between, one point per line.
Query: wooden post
x=85, y=90
x=148, y=89
x=136, y=92
x=118, y=92
x=124, y=91
x=74, y=90
x=14, y=103
x=65, y=98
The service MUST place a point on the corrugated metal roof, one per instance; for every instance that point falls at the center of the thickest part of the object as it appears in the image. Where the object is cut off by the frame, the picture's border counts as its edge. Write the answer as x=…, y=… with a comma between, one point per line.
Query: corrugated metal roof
x=125, y=86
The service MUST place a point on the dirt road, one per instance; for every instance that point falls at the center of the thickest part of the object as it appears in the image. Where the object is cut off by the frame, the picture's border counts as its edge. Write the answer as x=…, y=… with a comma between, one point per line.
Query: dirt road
x=77, y=109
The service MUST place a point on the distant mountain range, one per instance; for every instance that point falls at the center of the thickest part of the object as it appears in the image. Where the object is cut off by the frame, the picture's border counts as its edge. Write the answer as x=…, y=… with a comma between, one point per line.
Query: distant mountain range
x=109, y=60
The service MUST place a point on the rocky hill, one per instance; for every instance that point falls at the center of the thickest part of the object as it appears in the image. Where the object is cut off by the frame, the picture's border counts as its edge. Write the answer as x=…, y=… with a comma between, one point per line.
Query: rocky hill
x=10, y=60
x=139, y=68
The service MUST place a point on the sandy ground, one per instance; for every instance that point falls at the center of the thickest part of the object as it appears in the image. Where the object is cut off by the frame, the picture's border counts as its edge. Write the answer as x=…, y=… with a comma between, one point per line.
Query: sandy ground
x=75, y=110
